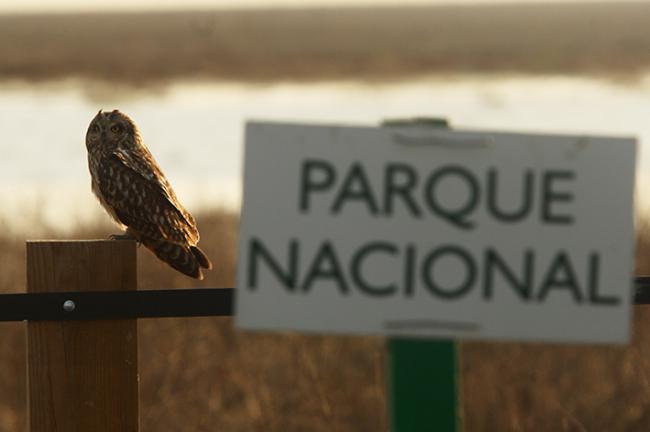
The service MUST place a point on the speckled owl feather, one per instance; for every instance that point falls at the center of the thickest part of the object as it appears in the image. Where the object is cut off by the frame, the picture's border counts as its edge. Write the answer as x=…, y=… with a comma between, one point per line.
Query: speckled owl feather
x=132, y=188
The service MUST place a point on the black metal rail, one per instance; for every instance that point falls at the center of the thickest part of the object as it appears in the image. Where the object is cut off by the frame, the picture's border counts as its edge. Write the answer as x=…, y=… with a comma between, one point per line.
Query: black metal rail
x=117, y=304
x=641, y=290
x=151, y=303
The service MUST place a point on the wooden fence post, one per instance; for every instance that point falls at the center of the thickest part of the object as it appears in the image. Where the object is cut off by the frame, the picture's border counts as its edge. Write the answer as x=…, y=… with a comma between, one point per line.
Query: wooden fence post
x=82, y=375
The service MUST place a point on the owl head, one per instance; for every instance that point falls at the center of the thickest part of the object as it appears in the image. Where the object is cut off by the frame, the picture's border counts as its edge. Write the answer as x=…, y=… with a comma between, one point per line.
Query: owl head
x=113, y=130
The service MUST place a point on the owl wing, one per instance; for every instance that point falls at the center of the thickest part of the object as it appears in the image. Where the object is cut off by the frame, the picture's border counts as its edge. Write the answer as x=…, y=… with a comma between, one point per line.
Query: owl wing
x=142, y=198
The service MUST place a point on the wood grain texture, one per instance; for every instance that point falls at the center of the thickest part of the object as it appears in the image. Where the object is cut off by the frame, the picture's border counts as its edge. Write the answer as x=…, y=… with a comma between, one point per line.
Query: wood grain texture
x=82, y=375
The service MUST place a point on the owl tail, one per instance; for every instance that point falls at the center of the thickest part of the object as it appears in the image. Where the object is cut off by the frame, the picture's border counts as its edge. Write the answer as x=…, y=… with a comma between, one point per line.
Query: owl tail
x=186, y=259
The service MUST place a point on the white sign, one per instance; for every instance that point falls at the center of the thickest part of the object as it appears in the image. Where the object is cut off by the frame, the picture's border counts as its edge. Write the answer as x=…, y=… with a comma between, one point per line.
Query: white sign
x=428, y=232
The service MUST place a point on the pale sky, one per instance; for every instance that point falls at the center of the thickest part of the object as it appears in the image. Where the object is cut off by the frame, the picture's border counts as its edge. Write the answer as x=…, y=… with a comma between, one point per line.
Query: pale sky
x=96, y=5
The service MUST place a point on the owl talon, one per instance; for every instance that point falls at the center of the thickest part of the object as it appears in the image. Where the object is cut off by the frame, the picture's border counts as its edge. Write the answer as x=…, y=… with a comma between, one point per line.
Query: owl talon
x=121, y=237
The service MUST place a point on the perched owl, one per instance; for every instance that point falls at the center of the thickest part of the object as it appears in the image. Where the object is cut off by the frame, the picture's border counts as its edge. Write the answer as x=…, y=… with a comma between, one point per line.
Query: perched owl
x=134, y=191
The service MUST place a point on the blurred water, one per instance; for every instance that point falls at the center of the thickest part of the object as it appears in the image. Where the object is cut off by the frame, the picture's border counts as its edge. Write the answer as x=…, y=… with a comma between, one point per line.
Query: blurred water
x=195, y=130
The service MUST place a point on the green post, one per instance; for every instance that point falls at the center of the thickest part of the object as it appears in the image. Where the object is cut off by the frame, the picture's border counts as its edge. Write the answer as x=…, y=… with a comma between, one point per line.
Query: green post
x=423, y=373
x=423, y=385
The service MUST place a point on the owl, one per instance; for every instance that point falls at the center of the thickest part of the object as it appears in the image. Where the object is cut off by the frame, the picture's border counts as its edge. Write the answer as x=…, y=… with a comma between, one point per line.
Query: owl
x=131, y=187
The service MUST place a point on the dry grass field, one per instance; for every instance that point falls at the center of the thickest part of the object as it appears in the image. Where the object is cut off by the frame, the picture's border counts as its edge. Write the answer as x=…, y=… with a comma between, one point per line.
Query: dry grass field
x=200, y=374
x=382, y=43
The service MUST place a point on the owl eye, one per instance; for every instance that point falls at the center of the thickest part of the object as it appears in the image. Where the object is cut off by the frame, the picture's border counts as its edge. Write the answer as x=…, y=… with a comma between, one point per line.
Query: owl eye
x=94, y=129
x=116, y=128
